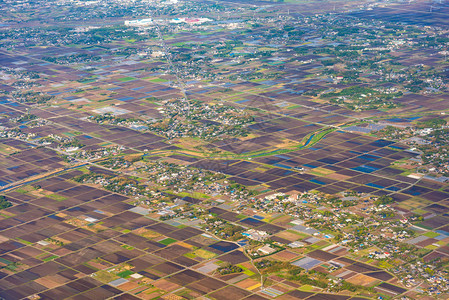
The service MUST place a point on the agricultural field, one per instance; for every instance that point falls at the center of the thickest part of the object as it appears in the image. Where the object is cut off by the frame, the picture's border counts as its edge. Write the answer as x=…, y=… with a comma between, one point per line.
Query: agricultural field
x=224, y=149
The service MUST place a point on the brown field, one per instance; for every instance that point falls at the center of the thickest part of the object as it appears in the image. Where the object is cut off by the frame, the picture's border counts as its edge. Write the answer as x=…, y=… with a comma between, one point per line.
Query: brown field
x=149, y=234
x=166, y=285
x=248, y=266
x=361, y=279
x=49, y=282
x=150, y=296
x=284, y=255
x=288, y=235
x=247, y=283
x=229, y=292
x=282, y=221
x=206, y=285
x=203, y=240
x=337, y=176
x=128, y=286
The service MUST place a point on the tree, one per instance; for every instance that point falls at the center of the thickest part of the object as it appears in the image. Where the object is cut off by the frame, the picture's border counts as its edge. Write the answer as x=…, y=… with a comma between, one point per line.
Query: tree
x=383, y=200
x=4, y=203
